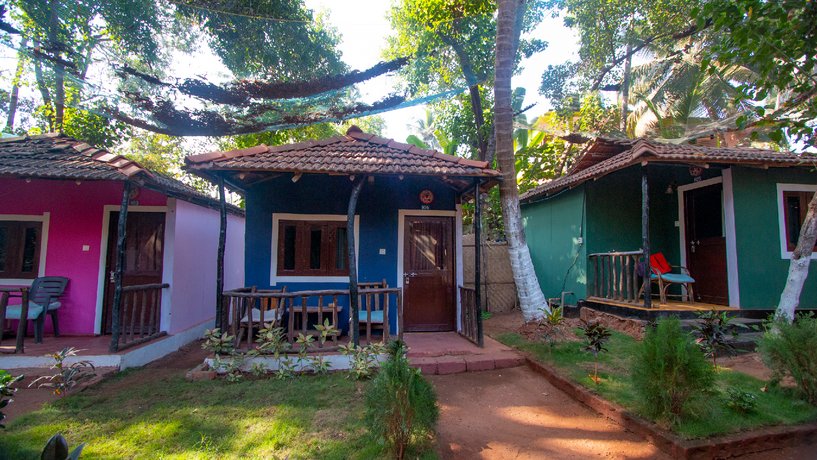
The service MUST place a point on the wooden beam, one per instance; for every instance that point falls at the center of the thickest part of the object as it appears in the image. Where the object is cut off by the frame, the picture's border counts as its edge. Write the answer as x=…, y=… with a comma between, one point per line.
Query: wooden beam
x=477, y=259
x=222, y=241
x=645, y=237
x=116, y=311
x=350, y=248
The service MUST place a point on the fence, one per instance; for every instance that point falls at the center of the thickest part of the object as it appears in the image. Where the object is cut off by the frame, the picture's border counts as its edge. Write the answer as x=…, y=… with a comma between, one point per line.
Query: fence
x=498, y=288
x=140, y=315
x=615, y=276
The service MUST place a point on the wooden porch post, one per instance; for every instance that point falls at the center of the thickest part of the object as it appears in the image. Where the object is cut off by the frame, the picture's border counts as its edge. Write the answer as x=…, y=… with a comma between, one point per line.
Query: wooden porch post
x=645, y=236
x=116, y=311
x=478, y=258
x=222, y=240
x=350, y=247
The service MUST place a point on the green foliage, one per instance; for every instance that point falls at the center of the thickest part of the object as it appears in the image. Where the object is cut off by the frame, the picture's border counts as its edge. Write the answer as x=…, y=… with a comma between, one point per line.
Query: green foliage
x=789, y=350
x=596, y=336
x=286, y=368
x=271, y=341
x=7, y=390
x=741, y=401
x=777, y=41
x=362, y=360
x=669, y=372
x=258, y=369
x=218, y=343
x=551, y=324
x=714, y=331
x=320, y=365
x=57, y=449
x=401, y=407
x=67, y=376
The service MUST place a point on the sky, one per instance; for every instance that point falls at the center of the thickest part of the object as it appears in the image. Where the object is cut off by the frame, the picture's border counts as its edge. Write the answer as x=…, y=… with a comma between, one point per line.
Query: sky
x=364, y=26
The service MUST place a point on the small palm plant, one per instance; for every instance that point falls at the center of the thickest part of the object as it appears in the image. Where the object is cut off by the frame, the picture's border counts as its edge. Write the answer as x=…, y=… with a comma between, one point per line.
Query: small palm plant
x=596, y=336
x=551, y=323
x=67, y=376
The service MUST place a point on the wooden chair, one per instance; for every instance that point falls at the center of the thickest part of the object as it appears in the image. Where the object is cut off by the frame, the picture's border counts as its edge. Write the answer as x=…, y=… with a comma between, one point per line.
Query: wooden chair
x=661, y=273
x=267, y=312
x=371, y=312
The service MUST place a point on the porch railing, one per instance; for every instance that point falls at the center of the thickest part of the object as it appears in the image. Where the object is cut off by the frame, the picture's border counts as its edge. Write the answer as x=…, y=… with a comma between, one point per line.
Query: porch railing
x=299, y=312
x=140, y=317
x=469, y=314
x=615, y=276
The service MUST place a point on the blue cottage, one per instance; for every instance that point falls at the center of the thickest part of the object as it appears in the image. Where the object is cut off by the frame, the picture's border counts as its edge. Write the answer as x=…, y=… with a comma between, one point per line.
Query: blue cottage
x=407, y=222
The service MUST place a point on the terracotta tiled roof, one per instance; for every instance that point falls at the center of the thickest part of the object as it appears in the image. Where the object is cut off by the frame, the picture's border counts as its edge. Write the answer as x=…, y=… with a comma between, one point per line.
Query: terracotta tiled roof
x=56, y=156
x=607, y=155
x=355, y=153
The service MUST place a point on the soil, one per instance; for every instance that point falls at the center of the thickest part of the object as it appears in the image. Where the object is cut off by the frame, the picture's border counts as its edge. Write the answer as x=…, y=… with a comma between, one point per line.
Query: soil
x=515, y=413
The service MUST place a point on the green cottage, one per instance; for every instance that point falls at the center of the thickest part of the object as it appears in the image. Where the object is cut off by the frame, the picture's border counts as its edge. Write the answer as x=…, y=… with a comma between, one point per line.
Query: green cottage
x=730, y=216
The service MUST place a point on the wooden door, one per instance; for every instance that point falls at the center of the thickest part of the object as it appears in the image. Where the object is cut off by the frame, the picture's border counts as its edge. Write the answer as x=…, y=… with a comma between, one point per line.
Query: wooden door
x=706, y=243
x=429, y=295
x=144, y=250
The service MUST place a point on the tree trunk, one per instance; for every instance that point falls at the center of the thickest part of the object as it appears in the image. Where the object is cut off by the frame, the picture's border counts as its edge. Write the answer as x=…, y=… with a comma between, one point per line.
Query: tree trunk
x=473, y=91
x=222, y=243
x=46, y=95
x=14, y=95
x=531, y=299
x=800, y=260
x=625, y=89
x=59, y=70
x=350, y=248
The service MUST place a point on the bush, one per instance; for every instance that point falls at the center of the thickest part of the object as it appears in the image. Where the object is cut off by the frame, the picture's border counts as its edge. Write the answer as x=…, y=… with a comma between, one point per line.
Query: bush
x=670, y=372
x=789, y=349
x=741, y=401
x=401, y=407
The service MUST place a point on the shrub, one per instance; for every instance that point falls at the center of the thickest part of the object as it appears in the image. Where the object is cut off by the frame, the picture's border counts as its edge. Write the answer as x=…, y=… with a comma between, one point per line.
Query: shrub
x=741, y=401
x=67, y=376
x=789, y=349
x=218, y=343
x=714, y=330
x=7, y=390
x=596, y=336
x=670, y=372
x=551, y=324
x=401, y=407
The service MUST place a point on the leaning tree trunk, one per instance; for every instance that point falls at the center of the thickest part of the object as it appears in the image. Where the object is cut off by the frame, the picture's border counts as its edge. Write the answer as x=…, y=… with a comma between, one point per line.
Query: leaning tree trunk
x=531, y=299
x=798, y=268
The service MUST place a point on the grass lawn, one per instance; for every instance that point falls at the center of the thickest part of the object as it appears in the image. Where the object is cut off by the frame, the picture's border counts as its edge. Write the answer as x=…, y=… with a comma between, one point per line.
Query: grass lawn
x=774, y=407
x=137, y=416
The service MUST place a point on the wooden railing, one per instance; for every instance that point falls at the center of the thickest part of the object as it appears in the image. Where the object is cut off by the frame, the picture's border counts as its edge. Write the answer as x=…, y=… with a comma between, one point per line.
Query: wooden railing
x=469, y=315
x=300, y=311
x=615, y=276
x=141, y=314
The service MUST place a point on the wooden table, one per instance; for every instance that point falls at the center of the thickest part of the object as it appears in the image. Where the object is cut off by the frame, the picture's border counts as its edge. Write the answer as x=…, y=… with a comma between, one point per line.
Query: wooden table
x=15, y=291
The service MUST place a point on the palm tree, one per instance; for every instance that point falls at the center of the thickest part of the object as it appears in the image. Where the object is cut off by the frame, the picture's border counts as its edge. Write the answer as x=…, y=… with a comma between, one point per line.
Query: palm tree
x=675, y=97
x=530, y=294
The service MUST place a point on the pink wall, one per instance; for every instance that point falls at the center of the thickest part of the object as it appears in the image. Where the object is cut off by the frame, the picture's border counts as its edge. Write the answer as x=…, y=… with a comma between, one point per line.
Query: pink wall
x=193, y=278
x=75, y=220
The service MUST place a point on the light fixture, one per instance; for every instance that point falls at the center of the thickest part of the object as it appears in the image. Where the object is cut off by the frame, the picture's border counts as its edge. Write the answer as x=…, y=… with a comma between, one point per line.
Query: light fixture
x=671, y=188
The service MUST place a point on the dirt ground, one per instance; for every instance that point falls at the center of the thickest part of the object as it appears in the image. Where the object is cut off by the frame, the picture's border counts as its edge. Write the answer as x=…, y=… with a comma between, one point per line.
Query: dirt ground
x=515, y=413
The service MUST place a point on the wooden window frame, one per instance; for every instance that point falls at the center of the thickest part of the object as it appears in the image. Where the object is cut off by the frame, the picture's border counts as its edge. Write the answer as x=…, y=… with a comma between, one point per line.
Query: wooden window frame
x=804, y=197
x=328, y=250
x=15, y=248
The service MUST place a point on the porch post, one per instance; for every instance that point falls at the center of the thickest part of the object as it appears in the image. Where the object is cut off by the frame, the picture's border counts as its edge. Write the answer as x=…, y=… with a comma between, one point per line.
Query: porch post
x=350, y=247
x=119, y=269
x=222, y=239
x=645, y=236
x=478, y=258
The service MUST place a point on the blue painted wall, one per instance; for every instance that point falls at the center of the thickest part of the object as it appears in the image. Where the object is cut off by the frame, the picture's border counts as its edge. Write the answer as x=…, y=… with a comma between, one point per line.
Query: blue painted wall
x=377, y=208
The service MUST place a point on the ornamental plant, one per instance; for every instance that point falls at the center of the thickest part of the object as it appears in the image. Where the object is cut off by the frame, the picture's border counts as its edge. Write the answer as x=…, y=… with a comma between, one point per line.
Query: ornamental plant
x=714, y=331
x=791, y=350
x=596, y=337
x=7, y=390
x=670, y=372
x=67, y=376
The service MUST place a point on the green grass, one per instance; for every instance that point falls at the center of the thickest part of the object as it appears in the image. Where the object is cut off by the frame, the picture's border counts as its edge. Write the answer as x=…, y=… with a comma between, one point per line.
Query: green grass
x=777, y=406
x=171, y=418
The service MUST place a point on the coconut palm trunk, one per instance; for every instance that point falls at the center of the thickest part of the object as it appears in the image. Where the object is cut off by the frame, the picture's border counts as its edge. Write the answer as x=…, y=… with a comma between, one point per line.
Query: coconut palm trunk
x=530, y=294
x=798, y=268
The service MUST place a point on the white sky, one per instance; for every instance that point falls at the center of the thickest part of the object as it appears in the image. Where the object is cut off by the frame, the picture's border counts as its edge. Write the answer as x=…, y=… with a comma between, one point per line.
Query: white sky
x=363, y=26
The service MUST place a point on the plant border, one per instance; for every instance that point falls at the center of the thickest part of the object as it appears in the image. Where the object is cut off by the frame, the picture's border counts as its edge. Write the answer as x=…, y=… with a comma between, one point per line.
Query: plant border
x=725, y=446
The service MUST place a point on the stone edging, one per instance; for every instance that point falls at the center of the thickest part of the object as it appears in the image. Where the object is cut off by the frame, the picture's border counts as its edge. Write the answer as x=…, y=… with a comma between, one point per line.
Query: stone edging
x=718, y=447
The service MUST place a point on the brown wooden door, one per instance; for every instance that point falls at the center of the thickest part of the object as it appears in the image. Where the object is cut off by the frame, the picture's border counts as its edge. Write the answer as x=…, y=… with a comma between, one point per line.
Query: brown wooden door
x=144, y=250
x=429, y=296
x=706, y=243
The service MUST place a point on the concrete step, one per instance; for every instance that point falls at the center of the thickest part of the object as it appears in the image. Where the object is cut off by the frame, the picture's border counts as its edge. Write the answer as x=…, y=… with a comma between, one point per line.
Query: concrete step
x=455, y=364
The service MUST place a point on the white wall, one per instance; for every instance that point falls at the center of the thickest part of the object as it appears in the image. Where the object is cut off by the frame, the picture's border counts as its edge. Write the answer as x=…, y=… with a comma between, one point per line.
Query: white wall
x=195, y=252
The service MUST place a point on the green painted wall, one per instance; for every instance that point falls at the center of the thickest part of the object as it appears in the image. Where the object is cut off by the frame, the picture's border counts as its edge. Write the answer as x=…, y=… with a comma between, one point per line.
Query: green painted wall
x=552, y=229
x=761, y=270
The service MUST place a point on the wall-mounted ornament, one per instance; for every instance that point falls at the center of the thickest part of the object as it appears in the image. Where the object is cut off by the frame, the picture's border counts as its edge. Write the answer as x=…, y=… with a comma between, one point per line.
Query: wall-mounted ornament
x=426, y=197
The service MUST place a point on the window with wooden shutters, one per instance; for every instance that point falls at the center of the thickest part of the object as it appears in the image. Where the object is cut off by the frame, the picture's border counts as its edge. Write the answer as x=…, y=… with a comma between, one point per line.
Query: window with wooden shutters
x=20, y=249
x=312, y=248
x=795, y=207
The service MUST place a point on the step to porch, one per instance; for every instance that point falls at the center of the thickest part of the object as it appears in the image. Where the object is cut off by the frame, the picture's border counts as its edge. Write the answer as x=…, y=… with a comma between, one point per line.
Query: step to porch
x=449, y=353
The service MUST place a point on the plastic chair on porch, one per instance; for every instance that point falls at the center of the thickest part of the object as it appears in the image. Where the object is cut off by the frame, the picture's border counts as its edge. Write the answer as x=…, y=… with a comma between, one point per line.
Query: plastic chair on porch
x=43, y=299
x=662, y=274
